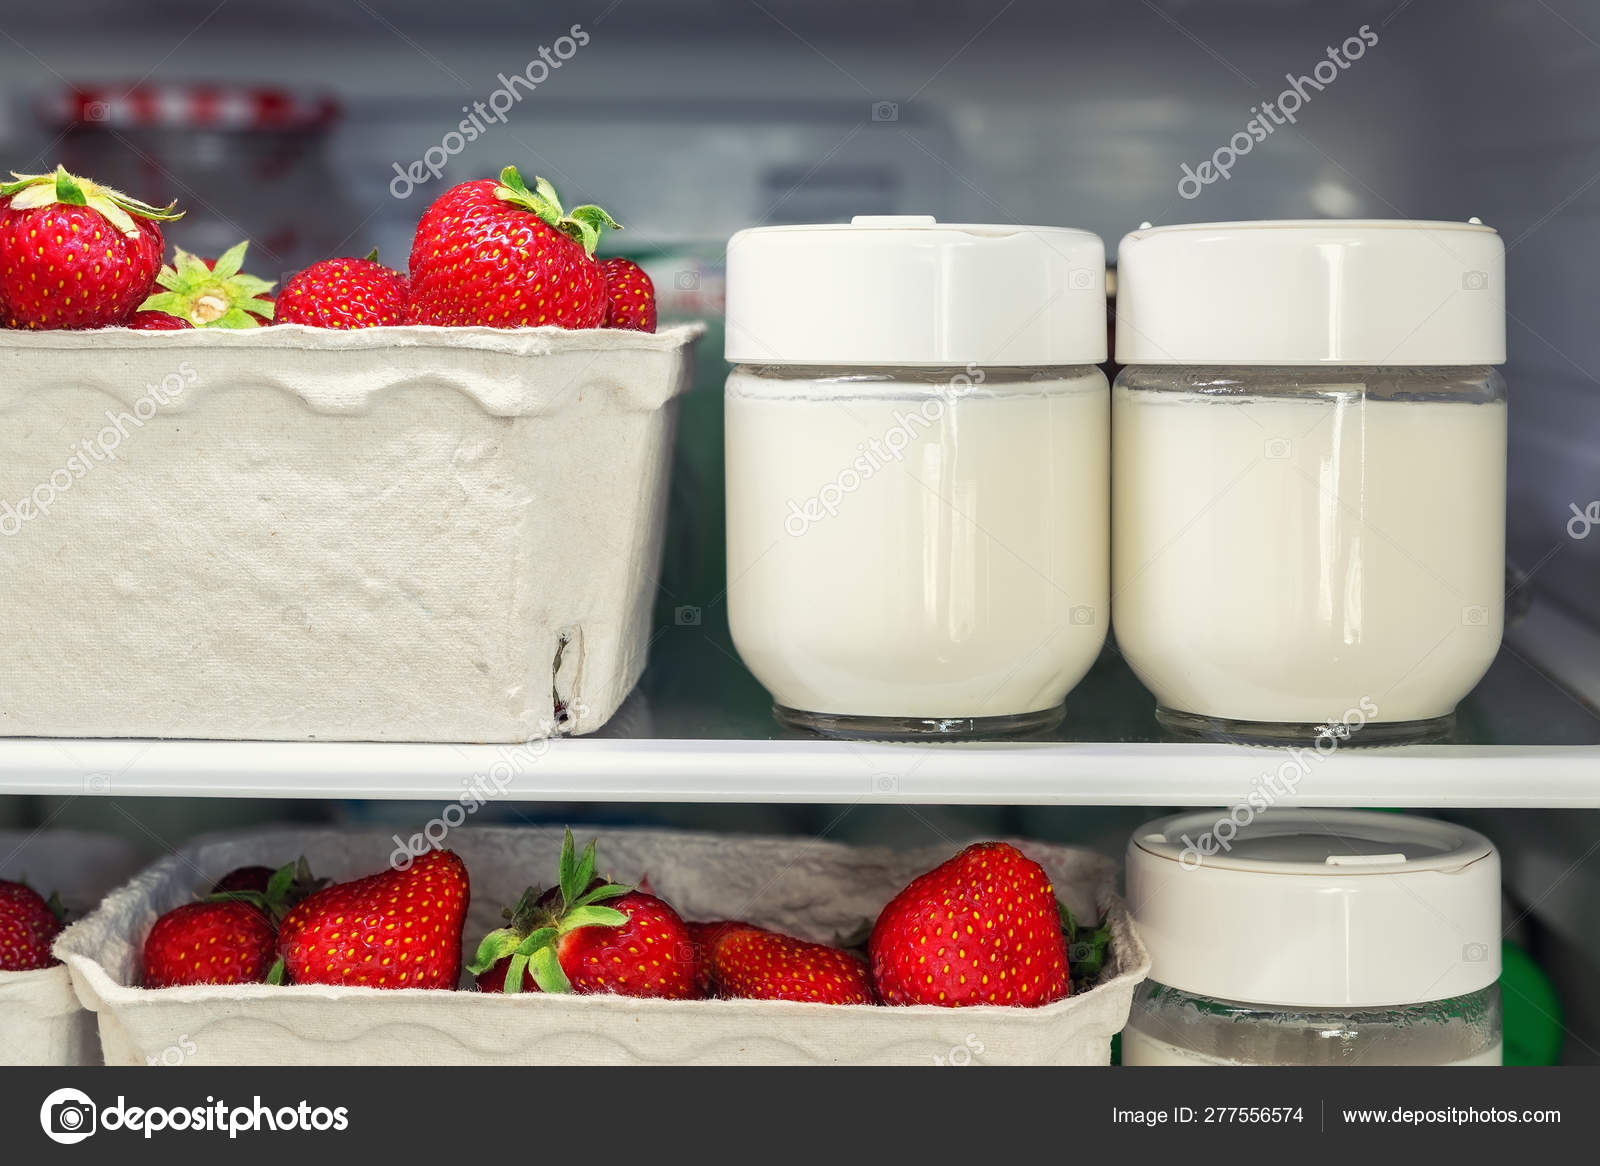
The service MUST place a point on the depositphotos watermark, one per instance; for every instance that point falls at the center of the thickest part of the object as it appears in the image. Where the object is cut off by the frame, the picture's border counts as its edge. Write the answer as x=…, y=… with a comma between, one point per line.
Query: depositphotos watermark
x=69, y=1116
x=1272, y=786
x=1269, y=115
x=491, y=111
x=480, y=789
x=90, y=452
x=1583, y=520
x=876, y=455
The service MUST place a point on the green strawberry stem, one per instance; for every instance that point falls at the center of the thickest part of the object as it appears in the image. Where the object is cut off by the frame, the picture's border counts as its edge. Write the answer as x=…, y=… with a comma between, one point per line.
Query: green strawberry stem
x=288, y=885
x=530, y=939
x=1086, y=950
x=583, y=224
x=36, y=190
x=278, y=973
x=219, y=296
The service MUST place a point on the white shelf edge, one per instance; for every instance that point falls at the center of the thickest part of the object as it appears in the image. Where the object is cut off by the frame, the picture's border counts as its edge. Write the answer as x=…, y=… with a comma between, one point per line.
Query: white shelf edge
x=595, y=770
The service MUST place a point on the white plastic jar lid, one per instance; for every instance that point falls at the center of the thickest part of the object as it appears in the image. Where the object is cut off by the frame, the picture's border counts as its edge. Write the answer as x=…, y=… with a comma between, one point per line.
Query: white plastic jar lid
x=905, y=289
x=1316, y=908
x=1350, y=292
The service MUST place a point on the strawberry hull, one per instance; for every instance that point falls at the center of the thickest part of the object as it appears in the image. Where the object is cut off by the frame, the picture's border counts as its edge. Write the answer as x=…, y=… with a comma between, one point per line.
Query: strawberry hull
x=287, y=533
x=41, y=1021
x=824, y=889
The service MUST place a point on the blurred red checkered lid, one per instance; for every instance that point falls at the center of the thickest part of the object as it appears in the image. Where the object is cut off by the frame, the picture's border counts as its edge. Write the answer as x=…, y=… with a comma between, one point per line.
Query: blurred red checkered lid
x=189, y=106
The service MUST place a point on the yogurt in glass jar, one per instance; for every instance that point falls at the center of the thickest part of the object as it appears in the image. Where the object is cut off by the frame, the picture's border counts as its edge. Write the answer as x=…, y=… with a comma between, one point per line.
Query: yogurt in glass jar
x=1309, y=475
x=1327, y=937
x=917, y=472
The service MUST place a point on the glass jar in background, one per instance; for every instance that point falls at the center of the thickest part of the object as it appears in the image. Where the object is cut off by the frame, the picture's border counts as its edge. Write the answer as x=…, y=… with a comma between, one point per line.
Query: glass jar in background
x=1338, y=937
x=917, y=472
x=243, y=163
x=1309, y=476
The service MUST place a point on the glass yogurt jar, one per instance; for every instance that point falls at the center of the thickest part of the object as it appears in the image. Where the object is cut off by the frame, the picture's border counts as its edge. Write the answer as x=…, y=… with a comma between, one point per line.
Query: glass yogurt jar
x=1309, y=475
x=917, y=472
x=1326, y=938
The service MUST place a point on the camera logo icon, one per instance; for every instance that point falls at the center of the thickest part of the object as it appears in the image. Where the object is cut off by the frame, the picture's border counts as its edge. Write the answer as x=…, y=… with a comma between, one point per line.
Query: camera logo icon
x=1474, y=953
x=68, y=1116
x=885, y=111
x=1475, y=616
x=1082, y=279
x=1474, y=280
x=1277, y=449
x=1082, y=616
x=686, y=281
x=686, y=617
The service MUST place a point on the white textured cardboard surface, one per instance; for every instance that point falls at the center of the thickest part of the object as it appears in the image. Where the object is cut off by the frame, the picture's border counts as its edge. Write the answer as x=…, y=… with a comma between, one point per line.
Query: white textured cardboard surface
x=41, y=1021
x=384, y=534
x=810, y=888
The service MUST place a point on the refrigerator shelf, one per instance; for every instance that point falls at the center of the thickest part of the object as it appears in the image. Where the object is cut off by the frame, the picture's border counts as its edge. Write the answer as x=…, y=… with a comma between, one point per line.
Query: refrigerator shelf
x=698, y=730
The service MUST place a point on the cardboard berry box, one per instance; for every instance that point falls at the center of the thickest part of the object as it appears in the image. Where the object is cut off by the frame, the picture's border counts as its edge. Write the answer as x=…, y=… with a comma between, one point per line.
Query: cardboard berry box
x=814, y=889
x=287, y=533
x=41, y=1021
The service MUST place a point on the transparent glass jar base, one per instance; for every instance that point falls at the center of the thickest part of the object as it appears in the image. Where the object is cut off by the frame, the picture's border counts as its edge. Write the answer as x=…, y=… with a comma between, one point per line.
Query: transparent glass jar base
x=1196, y=727
x=920, y=728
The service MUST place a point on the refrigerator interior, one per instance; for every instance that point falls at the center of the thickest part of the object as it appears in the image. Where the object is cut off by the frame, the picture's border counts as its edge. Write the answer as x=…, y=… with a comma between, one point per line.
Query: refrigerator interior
x=691, y=119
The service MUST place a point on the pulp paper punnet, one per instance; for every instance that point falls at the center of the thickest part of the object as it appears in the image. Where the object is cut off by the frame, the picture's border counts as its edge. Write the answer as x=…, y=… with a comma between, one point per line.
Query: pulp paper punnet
x=41, y=1021
x=816, y=890
x=287, y=533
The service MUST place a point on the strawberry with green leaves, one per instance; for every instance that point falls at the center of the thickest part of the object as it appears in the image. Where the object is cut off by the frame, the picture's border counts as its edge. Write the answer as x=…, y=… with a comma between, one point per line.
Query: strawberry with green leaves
x=395, y=929
x=73, y=253
x=983, y=928
x=588, y=936
x=499, y=255
x=212, y=293
x=29, y=924
x=229, y=937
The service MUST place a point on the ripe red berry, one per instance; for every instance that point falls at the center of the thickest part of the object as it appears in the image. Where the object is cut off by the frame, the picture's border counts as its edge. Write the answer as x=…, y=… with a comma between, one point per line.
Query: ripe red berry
x=633, y=945
x=983, y=928
x=73, y=253
x=396, y=929
x=756, y=964
x=496, y=254
x=28, y=926
x=156, y=322
x=630, y=296
x=208, y=943
x=344, y=293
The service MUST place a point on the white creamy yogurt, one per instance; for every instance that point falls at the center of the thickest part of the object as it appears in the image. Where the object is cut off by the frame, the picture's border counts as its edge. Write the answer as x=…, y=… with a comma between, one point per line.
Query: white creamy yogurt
x=1288, y=559
x=898, y=551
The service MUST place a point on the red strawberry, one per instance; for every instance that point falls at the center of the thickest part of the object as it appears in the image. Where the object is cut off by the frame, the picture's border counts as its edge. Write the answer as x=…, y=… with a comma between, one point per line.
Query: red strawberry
x=208, y=943
x=500, y=255
x=28, y=926
x=630, y=296
x=567, y=942
x=396, y=929
x=246, y=878
x=156, y=322
x=73, y=253
x=755, y=964
x=983, y=928
x=703, y=936
x=212, y=293
x=344, y=293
